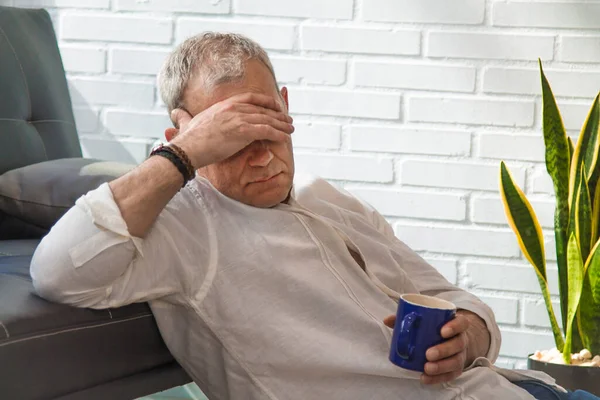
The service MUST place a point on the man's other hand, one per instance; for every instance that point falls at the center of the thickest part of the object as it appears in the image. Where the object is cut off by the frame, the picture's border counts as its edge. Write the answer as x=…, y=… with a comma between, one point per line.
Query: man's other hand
x=447, y=360
x=228, y=126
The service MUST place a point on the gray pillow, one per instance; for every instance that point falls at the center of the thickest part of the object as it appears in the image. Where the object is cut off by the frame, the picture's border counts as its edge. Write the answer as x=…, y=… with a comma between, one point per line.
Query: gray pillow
x=39, y=194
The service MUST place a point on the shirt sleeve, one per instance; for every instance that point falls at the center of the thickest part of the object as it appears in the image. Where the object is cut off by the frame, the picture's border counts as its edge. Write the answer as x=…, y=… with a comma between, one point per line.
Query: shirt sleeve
x=89, y=259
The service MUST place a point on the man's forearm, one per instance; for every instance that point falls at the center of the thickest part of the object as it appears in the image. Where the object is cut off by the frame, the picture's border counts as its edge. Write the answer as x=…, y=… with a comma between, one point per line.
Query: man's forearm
x=478, y=337
x=143, y=193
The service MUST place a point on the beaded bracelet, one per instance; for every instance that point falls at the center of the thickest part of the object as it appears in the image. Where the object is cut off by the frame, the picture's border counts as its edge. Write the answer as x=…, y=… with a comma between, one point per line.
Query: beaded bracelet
x=178, y=158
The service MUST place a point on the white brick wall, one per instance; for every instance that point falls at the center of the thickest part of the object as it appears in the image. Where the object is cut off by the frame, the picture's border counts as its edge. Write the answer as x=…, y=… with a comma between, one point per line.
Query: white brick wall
x=397, y=139
x=410, y=104
x=425, y=11
x=566, y=14
x=466, y=110
x=415, y=76
x=359, y=40
x=340, y=9
x=309, y=70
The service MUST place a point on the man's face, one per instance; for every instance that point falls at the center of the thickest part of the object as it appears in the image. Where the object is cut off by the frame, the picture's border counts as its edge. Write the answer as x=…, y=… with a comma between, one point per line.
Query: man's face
x=261, y=174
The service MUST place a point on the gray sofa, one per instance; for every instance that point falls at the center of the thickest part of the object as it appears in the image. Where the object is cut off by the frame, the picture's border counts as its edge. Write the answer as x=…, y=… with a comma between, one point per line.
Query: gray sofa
x=51, y=351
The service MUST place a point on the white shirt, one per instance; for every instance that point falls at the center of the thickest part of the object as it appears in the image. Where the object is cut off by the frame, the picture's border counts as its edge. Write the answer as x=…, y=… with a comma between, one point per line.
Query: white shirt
x=264, y=303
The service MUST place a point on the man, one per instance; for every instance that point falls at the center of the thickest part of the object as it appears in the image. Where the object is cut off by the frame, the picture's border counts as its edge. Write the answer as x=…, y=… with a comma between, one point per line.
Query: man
x=263, y=286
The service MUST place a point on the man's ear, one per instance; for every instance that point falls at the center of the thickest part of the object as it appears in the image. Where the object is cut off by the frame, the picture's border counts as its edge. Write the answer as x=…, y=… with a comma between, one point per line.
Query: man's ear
x=170, y=133
x=284, y=94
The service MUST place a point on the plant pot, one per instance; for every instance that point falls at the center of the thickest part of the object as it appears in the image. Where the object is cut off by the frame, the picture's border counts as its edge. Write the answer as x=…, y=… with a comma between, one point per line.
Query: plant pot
x=570, y=377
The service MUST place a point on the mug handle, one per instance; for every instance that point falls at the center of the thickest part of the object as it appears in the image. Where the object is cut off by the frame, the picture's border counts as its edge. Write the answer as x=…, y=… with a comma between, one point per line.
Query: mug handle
x=405, y=345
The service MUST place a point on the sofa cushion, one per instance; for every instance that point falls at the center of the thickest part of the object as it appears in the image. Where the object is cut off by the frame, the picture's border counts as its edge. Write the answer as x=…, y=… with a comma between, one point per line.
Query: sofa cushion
x=50, y=350
x=36, y=119
x=39, y=194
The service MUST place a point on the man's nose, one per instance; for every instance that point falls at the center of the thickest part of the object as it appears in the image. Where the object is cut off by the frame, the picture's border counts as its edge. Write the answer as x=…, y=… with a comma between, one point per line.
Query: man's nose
x=260, y=154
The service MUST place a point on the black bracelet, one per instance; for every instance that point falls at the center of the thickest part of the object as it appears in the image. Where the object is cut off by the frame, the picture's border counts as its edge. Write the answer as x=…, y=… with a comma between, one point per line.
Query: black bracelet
x=178, y=162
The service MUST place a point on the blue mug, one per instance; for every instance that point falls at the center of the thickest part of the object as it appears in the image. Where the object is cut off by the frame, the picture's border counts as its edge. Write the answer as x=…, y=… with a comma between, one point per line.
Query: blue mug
x=419, y=321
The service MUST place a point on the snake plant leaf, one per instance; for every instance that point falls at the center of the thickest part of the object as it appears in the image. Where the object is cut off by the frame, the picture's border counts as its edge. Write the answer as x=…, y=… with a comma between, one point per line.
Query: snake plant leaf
x=589, y=306
x=576, y=274
x=588, y=147
x=581, y=213
x=524, y=223
x=558, y=160
x=596, y=213
x=571, y=150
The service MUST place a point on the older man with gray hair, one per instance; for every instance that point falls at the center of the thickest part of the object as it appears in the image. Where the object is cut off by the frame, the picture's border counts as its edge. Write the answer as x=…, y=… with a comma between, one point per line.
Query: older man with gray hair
x=264, y=285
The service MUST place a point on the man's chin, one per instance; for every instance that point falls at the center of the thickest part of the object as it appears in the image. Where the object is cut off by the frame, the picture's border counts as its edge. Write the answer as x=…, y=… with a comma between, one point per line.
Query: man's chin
x=268, y=199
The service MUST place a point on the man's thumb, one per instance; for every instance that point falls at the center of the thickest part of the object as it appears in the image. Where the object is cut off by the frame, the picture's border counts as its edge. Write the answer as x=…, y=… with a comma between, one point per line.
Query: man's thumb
x=180, y=118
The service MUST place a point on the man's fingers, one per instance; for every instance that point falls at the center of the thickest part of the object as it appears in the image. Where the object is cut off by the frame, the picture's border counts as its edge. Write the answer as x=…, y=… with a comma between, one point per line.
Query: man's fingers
x=262, y=119
x=389, y=321
x=180, y=118
x=451, y=364
x=252, y=109
x=267, y=132
x=258, y=99
x=447, y=349
x=455, y=326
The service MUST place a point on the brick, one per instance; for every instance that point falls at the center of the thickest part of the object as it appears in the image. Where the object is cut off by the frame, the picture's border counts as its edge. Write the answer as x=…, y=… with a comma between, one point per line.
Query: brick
x=490, y=210
x=414, y=204
x=522, y=344
x=97, y=4
x=574, y=114
x=116, y=28
x=346, y=167
x=309, y=70
x=498, y=46
x=522, y=364
x=317, y=135
x=415, y=76
x=398, y=139
x=132, y=151
x=505, y=308
x=86, y=119
x=141, y=124
x=509, y=278
x=136, y=61
x=446, y=267
x=512, y=147
x=360, y=40
x=83, y=59
x=270, y=35
x=345, y=103
x=339, y=9
x=506, y=363
x=425, y=11
x=566, y=83
x=182, y=6
x=584, y=49
x=454, y=175
x=459, y=240
x=541, y=182
x=536, y=314
x=567, y=14
x=101, y=91
x=550, y=247
x=471, y=111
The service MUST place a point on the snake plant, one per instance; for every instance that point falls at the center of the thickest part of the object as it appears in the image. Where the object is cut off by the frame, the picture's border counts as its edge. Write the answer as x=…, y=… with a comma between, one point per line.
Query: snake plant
x=575, y=173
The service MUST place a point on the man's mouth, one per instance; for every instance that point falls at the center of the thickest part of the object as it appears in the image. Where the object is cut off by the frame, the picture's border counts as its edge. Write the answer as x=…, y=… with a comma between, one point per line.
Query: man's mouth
x=267, y=178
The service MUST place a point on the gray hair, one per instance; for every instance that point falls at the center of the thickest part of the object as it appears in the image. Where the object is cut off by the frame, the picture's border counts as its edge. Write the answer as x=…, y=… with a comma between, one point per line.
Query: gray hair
x=215, y=58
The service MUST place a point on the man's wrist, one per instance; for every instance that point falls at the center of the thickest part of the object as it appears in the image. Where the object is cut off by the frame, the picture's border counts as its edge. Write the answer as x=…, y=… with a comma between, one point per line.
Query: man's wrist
x=479, y=337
